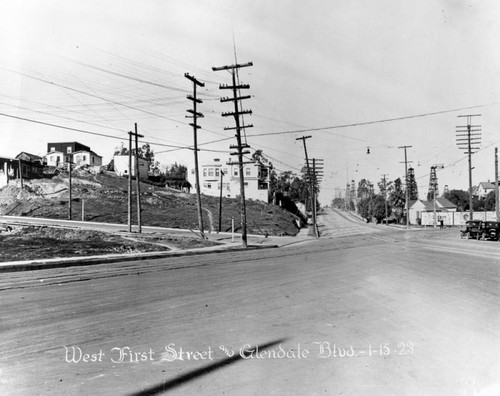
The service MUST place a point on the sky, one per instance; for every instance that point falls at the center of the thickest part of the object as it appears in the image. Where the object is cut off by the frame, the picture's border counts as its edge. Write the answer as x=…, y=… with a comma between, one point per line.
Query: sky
x=352, y=74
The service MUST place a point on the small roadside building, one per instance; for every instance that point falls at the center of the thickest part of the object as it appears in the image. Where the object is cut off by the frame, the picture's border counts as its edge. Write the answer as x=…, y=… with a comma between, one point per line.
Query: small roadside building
x=441, y=206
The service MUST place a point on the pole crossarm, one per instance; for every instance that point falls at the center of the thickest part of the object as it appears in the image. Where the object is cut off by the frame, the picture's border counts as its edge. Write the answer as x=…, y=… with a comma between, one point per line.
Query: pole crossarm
x=233, y=87
x=236, y=113
x=223, y=100
x=232, y=67
x=241, y=127
x=194, y=80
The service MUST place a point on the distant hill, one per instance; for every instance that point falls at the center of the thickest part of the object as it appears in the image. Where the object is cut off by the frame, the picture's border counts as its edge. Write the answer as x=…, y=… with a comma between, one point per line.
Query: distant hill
x=105, y=200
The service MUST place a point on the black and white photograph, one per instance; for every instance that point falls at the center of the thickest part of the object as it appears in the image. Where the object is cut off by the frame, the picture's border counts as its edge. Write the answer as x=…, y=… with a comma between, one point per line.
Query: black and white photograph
x=251, y=197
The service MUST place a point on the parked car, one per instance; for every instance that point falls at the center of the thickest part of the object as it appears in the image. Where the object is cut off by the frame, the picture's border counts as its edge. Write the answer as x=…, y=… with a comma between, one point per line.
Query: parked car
x=489, y=230
x=472, y=229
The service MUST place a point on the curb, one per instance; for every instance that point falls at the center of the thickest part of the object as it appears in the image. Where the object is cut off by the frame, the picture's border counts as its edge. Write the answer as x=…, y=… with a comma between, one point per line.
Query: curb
x=17, y=266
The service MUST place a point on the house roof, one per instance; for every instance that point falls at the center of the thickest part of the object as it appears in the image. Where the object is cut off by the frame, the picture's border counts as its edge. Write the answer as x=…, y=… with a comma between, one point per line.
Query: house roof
x=87, y=151
x=445, y=203
x=32, y=157
x=426, y=204
x=487, y=185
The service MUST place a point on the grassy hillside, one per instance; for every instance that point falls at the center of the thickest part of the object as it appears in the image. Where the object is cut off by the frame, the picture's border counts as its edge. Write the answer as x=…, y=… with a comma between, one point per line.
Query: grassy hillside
x=104, y=198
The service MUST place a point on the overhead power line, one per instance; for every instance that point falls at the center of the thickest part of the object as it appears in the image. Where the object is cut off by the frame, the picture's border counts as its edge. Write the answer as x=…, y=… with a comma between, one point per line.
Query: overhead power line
x=90, y=132
x=370, y=122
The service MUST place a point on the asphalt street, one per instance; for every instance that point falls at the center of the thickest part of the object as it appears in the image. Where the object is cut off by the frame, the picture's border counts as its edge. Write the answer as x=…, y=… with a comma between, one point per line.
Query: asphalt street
x=364, y=310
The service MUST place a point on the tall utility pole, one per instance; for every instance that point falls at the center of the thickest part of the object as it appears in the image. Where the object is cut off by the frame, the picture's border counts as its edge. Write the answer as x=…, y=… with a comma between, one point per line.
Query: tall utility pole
x=138, y=188
x=434, y=184
x=129, y=207
x=385, y=197
x=70, y=191
x=303, y=138
x=137, y=180
x=497, y=198
x=469, y=140
x=195, y=115
x=317, y=174
x=240, y=147
x=407, y=206
x=220, y=201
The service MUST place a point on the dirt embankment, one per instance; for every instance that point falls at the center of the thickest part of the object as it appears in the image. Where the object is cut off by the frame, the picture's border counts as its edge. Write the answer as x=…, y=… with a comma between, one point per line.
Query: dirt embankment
x=103, y=198
x=35, y=242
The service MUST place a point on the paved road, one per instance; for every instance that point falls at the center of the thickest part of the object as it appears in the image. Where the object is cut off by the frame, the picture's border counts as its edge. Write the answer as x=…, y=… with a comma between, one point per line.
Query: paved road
x=382, y=313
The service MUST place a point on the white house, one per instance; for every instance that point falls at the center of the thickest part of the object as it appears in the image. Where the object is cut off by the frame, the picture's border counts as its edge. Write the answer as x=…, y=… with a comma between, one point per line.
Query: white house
x=121, y=166
x=256, y=179
x=84, y=157
x=483, y=189
x=57, y=158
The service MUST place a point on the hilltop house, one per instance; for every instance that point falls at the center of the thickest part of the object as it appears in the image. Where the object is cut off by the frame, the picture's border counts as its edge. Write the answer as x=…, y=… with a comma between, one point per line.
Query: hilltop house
x=483, y=189
x=256, y=179
x=80, y=154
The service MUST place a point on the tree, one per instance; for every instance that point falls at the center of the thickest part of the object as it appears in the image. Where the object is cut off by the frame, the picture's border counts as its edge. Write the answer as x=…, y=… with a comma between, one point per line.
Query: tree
x=378, y=208
x=397, y=198
x=144, y=152
x=363, y=208
x=365, y=188
x=459, y=198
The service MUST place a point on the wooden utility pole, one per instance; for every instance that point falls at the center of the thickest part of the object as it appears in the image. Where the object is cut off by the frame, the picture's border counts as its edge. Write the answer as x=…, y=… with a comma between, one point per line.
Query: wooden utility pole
x=407, y=203
x=497, y=198
x=311, y=188
x=137, y=180
x=21, y=173
x=220, y=201
x=317, y=173
x=469, y=141
x=129, y=211
x=240, y=146
x=195, y=115
x=70, y=191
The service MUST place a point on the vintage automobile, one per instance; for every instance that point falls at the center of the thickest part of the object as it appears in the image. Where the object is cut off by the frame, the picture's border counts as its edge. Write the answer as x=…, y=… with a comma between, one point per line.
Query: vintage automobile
x=489, y=230
x=472, y=229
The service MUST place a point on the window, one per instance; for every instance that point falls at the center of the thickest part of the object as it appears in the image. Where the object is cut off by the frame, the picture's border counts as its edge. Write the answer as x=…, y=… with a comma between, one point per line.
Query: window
x=84, y=157
x=248, y=171
x=225, y=171
x=217, y=172
x=235, y=172
x=52, y=149
x=204, y=172
x=68, y=150
x=210, y=172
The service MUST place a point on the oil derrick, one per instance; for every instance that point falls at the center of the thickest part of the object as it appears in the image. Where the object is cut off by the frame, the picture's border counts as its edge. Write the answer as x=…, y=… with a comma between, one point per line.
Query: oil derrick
x=412, y=185
x=433, y=185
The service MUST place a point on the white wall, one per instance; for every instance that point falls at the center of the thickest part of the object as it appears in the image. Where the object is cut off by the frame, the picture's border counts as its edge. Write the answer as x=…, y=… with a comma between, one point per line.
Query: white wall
x=121, y=166
x=455, y=218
